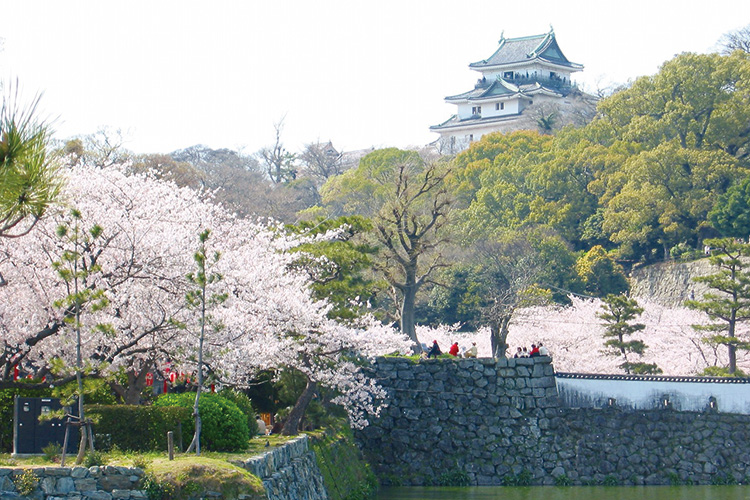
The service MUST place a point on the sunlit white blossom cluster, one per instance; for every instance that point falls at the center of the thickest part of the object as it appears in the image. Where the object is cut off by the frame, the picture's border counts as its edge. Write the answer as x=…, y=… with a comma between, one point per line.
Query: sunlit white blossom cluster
x=150, y=235
x=574, y=336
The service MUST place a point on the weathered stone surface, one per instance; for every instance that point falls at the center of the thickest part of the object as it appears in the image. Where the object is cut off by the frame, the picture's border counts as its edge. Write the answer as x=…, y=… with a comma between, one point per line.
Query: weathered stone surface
x=496, y=419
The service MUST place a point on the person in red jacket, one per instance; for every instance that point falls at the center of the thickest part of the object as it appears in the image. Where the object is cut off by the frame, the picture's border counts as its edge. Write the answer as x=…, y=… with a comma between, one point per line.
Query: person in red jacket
x=454, y=349
x=534, y=351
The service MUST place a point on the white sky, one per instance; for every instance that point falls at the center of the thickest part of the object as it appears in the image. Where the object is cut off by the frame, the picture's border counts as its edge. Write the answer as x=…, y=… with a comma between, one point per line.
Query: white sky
x=174, y=73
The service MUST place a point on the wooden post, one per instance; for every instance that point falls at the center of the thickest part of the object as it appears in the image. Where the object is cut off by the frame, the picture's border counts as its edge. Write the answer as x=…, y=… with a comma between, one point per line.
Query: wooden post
x=91, y=435
x=65, y=442
x=170, y=444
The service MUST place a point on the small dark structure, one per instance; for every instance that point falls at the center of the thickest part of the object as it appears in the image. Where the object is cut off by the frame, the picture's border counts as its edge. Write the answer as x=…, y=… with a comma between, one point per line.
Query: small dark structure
x=30, y=434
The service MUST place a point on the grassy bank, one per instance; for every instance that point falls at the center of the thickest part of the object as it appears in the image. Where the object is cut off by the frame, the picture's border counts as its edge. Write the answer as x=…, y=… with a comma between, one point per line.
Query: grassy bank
x=346, y=474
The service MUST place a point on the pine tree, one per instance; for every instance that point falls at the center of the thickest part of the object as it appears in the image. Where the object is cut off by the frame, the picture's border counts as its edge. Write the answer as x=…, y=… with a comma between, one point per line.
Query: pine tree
x=619, y=313
x=728, y=304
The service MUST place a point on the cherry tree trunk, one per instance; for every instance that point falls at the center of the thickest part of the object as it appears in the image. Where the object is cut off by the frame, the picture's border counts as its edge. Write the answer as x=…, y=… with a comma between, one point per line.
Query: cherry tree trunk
x=407, y=317
x=291, y=426
x=499, y=336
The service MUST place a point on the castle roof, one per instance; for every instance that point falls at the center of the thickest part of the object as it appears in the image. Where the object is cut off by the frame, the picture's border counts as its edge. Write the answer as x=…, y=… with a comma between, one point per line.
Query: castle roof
x=485, y=90
x=524, y=50
x=501, y=88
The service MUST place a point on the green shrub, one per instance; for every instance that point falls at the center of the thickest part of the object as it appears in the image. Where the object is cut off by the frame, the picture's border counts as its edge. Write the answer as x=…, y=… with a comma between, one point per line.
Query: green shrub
x=522, y=479
x=562, y=480
x=137, y=428
x=223, y=425
x=93, y=458
x=141, y=462
x=52, y=451
x=245, y=405
x=721, y=371
x=456, y=477
x=157, y=490
x=610, y=480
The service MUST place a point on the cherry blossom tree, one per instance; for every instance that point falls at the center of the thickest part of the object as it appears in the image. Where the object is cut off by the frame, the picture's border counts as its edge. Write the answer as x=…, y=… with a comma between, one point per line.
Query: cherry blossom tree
x=574, y=334
x=147, y=226
x=145, y=248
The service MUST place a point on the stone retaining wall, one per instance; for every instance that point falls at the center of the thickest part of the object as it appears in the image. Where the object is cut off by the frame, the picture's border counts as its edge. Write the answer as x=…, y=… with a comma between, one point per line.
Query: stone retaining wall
x=76, y=483
x=289, y=472
x=501, y=422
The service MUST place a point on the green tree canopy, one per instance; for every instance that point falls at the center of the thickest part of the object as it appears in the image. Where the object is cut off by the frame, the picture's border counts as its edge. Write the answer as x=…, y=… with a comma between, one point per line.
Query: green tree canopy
x=730, y=214
x=600, y=274
x=409, y=205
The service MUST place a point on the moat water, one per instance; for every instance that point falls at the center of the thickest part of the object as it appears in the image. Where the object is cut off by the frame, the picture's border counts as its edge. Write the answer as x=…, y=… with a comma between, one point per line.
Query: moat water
x=568, y=493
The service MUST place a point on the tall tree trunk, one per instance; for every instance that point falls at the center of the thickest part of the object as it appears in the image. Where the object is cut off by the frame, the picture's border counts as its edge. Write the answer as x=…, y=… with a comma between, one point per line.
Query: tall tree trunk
x=499, y=336
x=407, y=316
x=82, y=428
x=291, y=426
x=131, y=394
x=732, y=351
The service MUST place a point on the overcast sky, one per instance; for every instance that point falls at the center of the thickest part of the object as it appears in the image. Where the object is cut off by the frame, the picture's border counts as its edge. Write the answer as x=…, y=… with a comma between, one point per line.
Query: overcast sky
x=171, y=74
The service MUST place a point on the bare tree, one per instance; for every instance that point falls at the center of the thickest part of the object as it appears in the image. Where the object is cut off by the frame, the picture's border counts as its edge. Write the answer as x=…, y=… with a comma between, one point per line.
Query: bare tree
x=105, y=147
x=279, y=164
x=321, y=161
x=735, y=40
x=509, y=270
x=409, y=230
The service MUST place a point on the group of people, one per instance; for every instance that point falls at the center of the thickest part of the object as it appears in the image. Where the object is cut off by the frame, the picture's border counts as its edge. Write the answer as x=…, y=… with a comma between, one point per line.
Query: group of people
x=435, y=351
x=536, y=350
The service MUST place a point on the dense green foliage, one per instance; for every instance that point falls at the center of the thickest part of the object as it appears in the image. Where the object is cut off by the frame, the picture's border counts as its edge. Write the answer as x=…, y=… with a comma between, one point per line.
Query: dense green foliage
x=641, y=178
x=345, y=473
x=136, y=428
x=339, y=277
x=224, y=426
x=245, y=405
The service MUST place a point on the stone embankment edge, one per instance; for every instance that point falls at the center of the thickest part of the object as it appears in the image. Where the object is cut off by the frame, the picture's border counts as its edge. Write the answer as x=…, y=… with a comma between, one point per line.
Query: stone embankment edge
x=289, y=472
x=501, y=422
x=94, y=483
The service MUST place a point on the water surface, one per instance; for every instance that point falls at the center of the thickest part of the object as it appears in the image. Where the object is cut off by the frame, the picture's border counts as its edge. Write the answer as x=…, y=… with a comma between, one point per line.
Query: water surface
x=568, y=493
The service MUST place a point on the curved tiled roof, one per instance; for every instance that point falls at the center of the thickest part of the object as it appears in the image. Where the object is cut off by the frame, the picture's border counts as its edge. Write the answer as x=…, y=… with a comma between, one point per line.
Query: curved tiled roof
x=483, y=91
x=526, y=49
x=454, y=121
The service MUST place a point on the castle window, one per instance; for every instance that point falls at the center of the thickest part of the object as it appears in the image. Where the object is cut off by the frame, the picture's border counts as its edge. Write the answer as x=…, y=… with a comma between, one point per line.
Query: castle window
x=476, y=110
x=499, y=106
x=508, y=75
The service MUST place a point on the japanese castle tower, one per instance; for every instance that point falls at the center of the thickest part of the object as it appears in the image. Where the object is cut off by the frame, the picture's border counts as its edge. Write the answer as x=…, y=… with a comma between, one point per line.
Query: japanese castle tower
x=523, y=74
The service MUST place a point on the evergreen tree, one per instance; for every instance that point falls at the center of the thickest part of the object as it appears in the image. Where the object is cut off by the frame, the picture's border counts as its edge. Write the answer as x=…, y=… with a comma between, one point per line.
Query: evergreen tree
x=198, y=300
x=618, y=315
x=728, y=304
